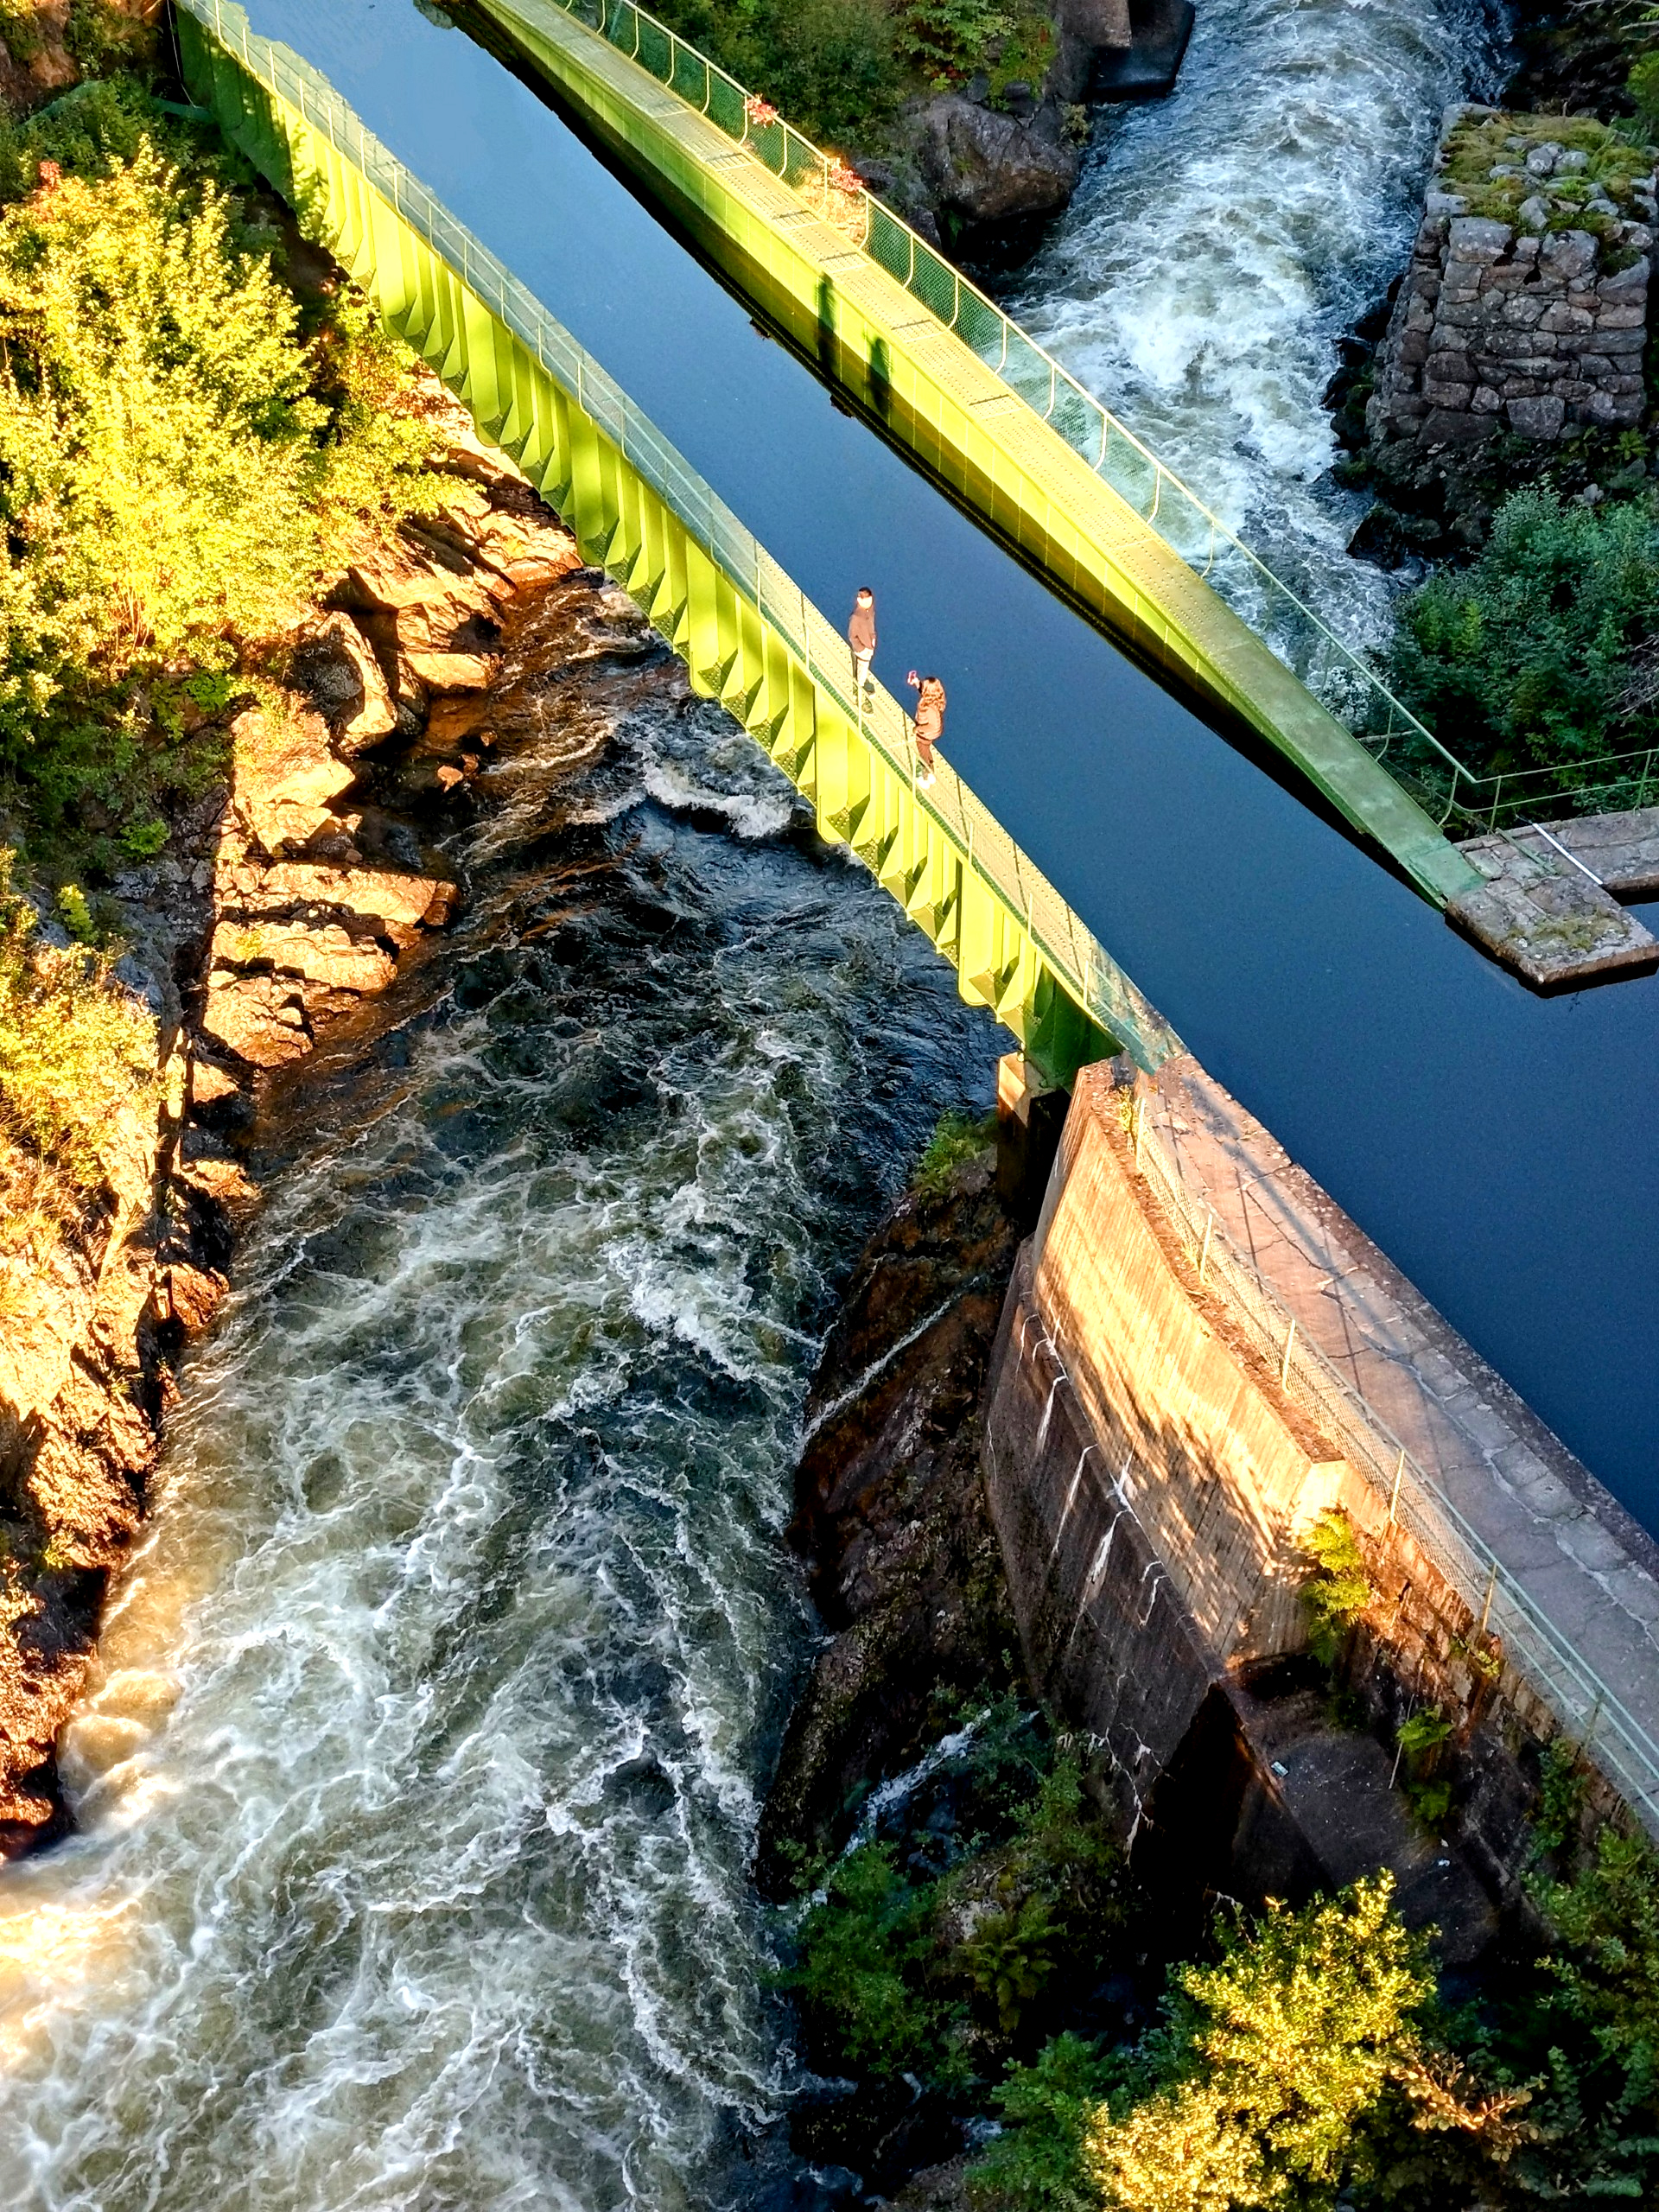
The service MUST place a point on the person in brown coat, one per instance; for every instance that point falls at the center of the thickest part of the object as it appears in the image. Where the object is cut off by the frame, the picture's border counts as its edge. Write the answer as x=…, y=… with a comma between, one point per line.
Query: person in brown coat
x=861, y=636
x=930, y=721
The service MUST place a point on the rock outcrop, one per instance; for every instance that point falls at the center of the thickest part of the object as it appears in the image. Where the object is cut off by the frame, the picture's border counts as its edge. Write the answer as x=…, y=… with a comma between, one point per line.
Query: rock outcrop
x=973, y=156
x=35, y=41
x=889, y=1512
x=281, y=907
x=1525, y=306
x=985, y=166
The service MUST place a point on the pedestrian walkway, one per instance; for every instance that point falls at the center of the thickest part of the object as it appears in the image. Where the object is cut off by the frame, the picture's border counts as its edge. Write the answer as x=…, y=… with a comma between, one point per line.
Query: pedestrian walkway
x=1577, y=1560
x=804, y=257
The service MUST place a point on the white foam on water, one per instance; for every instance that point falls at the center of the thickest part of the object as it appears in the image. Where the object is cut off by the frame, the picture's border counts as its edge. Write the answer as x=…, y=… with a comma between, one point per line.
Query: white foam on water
x=419, y=1776
x=1222, y=240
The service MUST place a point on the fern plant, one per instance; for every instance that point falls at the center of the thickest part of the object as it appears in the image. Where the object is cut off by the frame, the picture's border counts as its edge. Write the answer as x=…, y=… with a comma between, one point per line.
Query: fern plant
x=1338, y=1590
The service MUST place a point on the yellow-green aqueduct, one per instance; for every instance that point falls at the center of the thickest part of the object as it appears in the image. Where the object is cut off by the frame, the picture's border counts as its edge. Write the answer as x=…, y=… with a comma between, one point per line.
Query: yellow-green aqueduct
x=747, y=635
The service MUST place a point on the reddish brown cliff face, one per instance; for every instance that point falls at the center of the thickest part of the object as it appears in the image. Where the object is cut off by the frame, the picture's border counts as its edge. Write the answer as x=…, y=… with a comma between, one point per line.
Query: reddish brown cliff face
x=280, y=910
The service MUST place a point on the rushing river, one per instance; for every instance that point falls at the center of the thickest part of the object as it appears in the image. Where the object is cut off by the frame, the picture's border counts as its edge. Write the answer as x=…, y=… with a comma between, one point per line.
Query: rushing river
x=1220, y=241
x=418, y=1779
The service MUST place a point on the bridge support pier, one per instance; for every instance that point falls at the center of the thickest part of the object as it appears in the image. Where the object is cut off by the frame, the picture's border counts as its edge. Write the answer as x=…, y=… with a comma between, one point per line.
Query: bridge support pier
x=1029, y=1115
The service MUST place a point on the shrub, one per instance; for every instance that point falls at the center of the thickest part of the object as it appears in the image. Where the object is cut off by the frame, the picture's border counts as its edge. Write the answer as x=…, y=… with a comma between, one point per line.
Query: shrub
x=947, y=41
x=20, y=30
x=839, y=69
x=829, y=66
x=1037, y=2164
x=860, y=1949
x=74, y=1048
x=1272, y=2067
x=957, y=1139
x=98, y=36
x=1560, y=1796
x=1642, y=84
x=932, y=1972
x=179, y=454
x=1524, y=658
x=1339, y=1591
x=1420, y=1739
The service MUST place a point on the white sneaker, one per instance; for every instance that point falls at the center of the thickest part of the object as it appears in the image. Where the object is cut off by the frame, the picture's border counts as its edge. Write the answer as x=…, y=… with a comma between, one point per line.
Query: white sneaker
x=925, y=779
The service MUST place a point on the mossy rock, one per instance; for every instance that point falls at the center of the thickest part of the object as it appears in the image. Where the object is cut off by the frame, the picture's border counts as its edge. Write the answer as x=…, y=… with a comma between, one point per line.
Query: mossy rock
x=1486, y=140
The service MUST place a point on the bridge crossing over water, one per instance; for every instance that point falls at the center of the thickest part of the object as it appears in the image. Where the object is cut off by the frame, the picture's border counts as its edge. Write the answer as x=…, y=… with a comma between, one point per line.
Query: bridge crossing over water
x=1420, y=1086
x=943, y=372
x=750, y=637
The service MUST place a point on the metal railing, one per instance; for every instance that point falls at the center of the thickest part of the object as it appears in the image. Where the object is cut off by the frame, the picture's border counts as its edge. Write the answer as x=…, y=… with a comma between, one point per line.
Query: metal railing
x=1297, y=636
x=1454, y=794
x=1469, y=806
x=1583, y=1705
x=1587, y=1711
x=1082, y=963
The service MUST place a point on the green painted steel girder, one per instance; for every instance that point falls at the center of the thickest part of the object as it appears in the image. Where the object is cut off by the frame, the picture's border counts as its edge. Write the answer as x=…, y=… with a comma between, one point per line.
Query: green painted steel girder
x=995, y=455
x=746, y=634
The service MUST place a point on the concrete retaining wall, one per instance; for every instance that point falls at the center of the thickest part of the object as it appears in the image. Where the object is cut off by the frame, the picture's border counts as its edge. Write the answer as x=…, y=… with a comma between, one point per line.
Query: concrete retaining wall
x=1150, y=1482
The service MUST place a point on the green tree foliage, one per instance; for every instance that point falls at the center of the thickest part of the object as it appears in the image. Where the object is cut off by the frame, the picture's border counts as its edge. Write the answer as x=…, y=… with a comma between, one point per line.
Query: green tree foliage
x=840, y=69
x=1048, y=1895
x=1526, y=659
x=862, y=1948
x=98, y=38
x=1037, y=2164
x=948, y=41
x=75, y=1049
x=183, y=446
x=1642, y=84
x=935, y=1973
x=1273, y=2065
x=829, y=66
x=1420, y=1739
x=1339, y=1591
x=1600, y=2104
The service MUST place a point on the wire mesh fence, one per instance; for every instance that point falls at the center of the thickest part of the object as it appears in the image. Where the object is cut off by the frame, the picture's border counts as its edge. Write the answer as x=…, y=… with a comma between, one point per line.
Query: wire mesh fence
x=1585, y=1708
x=1458, y=799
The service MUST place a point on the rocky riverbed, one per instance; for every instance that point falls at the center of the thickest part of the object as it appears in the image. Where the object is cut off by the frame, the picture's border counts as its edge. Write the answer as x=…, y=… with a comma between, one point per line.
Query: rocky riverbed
x=890, y=1513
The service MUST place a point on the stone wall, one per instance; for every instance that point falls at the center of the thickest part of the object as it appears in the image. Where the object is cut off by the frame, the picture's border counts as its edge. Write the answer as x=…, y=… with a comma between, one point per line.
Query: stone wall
x=1515, y=327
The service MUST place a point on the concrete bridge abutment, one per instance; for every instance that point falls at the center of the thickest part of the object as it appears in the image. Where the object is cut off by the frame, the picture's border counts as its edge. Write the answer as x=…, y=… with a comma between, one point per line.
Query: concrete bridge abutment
x=1152, y=1481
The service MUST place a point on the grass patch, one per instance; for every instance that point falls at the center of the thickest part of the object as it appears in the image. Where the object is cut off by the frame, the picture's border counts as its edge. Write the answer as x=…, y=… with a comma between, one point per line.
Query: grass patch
x=957, y=1139
x=1479, y=145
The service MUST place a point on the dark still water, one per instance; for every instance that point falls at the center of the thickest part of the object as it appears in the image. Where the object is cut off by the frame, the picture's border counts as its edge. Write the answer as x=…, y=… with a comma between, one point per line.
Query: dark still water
x=1499, y=1148
x=419, y=1775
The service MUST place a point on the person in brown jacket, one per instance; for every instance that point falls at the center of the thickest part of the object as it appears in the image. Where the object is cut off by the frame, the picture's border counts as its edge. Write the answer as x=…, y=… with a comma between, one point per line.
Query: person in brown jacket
x=930, y=721
x=861, y=636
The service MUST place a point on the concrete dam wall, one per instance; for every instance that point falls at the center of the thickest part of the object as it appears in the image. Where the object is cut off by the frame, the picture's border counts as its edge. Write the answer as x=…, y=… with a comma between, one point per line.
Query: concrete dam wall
x=1154, y=1471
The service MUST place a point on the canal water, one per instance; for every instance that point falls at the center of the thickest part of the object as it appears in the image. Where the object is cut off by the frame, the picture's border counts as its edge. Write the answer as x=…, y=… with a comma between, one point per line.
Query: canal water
x=1498, y=1147
x=418, y=1778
